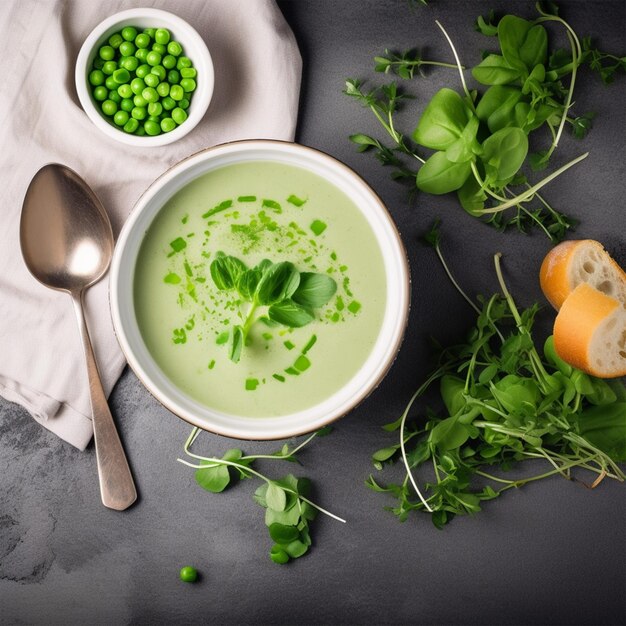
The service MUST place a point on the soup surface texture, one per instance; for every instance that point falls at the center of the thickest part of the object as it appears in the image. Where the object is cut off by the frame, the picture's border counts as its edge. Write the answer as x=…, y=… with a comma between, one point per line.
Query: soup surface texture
x=254, y=211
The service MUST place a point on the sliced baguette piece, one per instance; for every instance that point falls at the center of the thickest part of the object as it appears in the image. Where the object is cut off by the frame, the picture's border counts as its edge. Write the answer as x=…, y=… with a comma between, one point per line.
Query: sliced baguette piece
x=584, y=261
x=590, y=332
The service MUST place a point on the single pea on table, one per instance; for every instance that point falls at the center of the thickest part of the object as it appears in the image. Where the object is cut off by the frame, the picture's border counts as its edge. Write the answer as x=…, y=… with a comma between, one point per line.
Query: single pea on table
x=142, y=82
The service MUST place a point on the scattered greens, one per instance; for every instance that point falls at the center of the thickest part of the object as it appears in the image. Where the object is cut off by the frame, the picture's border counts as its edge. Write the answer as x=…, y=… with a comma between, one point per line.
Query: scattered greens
x=288, y=511
x=289, y=295
x=505, y=402
x=481, y=140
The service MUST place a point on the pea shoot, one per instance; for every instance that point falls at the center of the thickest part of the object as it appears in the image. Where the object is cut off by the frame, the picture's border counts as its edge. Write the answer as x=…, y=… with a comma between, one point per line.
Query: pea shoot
x=505, y=401
x=288, y=510
x=146, y=76
x=481, y=140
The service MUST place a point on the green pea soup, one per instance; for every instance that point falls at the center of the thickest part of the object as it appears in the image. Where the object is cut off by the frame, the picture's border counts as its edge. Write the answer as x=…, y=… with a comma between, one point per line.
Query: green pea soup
x=256, y=211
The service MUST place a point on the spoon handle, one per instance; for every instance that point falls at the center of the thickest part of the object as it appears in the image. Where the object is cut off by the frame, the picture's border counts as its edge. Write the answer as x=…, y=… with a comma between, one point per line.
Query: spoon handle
x=117, y=488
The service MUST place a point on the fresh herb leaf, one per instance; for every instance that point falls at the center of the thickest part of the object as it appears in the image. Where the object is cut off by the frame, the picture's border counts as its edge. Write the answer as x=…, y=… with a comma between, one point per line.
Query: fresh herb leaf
x=290, y=313
x=314, y=290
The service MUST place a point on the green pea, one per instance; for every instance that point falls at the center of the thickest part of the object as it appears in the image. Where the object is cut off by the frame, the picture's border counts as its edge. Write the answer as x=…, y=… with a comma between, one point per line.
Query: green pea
x=131, y=126
x=138, y=113
x=189, y=574
x=155, y=108
x=152, y=128
x=106, y=53
x=169, y=61
x=98, y=63
x=142, y=40
x=188, y=72
x=109, y=107
x=173, y=77
x=157, y=47
x=154, y=118
x=167, y=124
x=162, y=36
x=140, y=101
x=150, y=32
x=183, y=62
x=120, y=118
x=100, y=93
x=168, y=103
x=96, y=77
x=121, y=76
x=129, y=33
x=113, y=95
x=109, y=67
x=129, y=63
x=177, y=92
x=150, y=94
x=125, y=91
x=153, y=58
x=184, y=103
x=140, y=132
x=127, y=105
x=137, y=85
x=152, y=80
x=178, y=115
x=143, y=70
x=110, y=83
x=141, y=54
x=159, y=71
x=188, y=84
x=127, y=49
x=115, y=40
x=163, y=89
x=174, y=48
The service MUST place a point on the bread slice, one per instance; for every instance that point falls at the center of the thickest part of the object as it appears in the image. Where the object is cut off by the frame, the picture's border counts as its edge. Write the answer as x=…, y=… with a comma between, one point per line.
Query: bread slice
x=590, y=332
x=574, y=262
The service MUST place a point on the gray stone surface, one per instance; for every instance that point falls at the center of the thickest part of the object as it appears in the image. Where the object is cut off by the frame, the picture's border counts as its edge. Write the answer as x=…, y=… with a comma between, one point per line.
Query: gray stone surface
x=551, y=553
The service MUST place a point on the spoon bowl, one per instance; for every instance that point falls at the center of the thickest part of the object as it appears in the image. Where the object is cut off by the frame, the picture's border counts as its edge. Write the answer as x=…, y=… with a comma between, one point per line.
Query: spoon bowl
x=65, y=233
x=67, y=245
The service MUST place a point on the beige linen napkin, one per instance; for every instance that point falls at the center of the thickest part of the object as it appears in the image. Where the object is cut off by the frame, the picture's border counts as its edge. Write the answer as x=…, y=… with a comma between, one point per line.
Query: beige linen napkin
x=257, y=82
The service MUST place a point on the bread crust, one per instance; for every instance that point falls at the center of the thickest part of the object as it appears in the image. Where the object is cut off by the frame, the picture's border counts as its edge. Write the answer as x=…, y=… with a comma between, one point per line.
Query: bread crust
x=554, y=272
x=578, y=320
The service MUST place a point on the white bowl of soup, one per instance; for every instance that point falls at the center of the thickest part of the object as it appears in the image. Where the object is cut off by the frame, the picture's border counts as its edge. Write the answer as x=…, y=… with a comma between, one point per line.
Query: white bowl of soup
x=260, y=289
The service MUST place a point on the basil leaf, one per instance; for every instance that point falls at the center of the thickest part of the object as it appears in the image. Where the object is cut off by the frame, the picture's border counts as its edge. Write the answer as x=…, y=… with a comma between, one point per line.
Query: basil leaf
x=472, y=196
x=503, y=154
x=279, y=281
x=494, y=70
x=235, y=344
x=314, y=290
x=512, y=32
x=290, y=314
x=440, y=175
x=226, y=270
x=497, y=107
x=443, y=120
x=534, y=50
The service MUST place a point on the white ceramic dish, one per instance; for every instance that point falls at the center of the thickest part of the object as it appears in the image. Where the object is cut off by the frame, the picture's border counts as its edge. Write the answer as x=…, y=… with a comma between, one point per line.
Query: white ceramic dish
x=194, y=48
x=396, y=271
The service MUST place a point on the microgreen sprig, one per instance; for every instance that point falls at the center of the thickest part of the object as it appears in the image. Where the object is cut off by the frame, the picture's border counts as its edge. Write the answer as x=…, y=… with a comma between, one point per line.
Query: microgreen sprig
x=285, y=295
x=288, y=510
x=505, y=402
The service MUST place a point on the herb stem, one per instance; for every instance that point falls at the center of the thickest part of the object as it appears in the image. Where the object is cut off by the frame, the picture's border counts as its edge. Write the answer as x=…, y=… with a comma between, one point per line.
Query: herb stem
x=281, y=456
x=458, y=65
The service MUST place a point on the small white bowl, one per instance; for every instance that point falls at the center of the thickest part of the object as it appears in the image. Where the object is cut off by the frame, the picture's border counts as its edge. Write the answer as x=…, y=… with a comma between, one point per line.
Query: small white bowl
x=395, y=316
x=193, y=47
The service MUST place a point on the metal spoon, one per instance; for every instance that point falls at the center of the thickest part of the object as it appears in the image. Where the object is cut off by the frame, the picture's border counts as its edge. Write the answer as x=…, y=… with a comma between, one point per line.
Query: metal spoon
x=67, y=244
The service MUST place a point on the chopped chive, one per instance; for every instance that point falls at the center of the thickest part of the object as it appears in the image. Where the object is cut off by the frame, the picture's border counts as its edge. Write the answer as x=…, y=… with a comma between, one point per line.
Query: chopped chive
x=212, y=364
x=272, y=204
x=279, y=377
x=308, y=259
x=222, y=206
x=185, y=218
x=346, y=286
x=179, y=335
x=302, y=363
x=309, y=344
x=178, y=244
x=343, y=268
x=200, y=279
x=172, y=279
x=354, y=306
x=191, y=235
x=289, y=345
x=333, y=256
x=191, y=322
x=335, y=317
x=318, y=227
x=251, y=384
x=222, y=338
x=340, y=304
x=295, y=200
x=188, y=269
x=293, y=371
x=246, y=199
x=267, y=336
